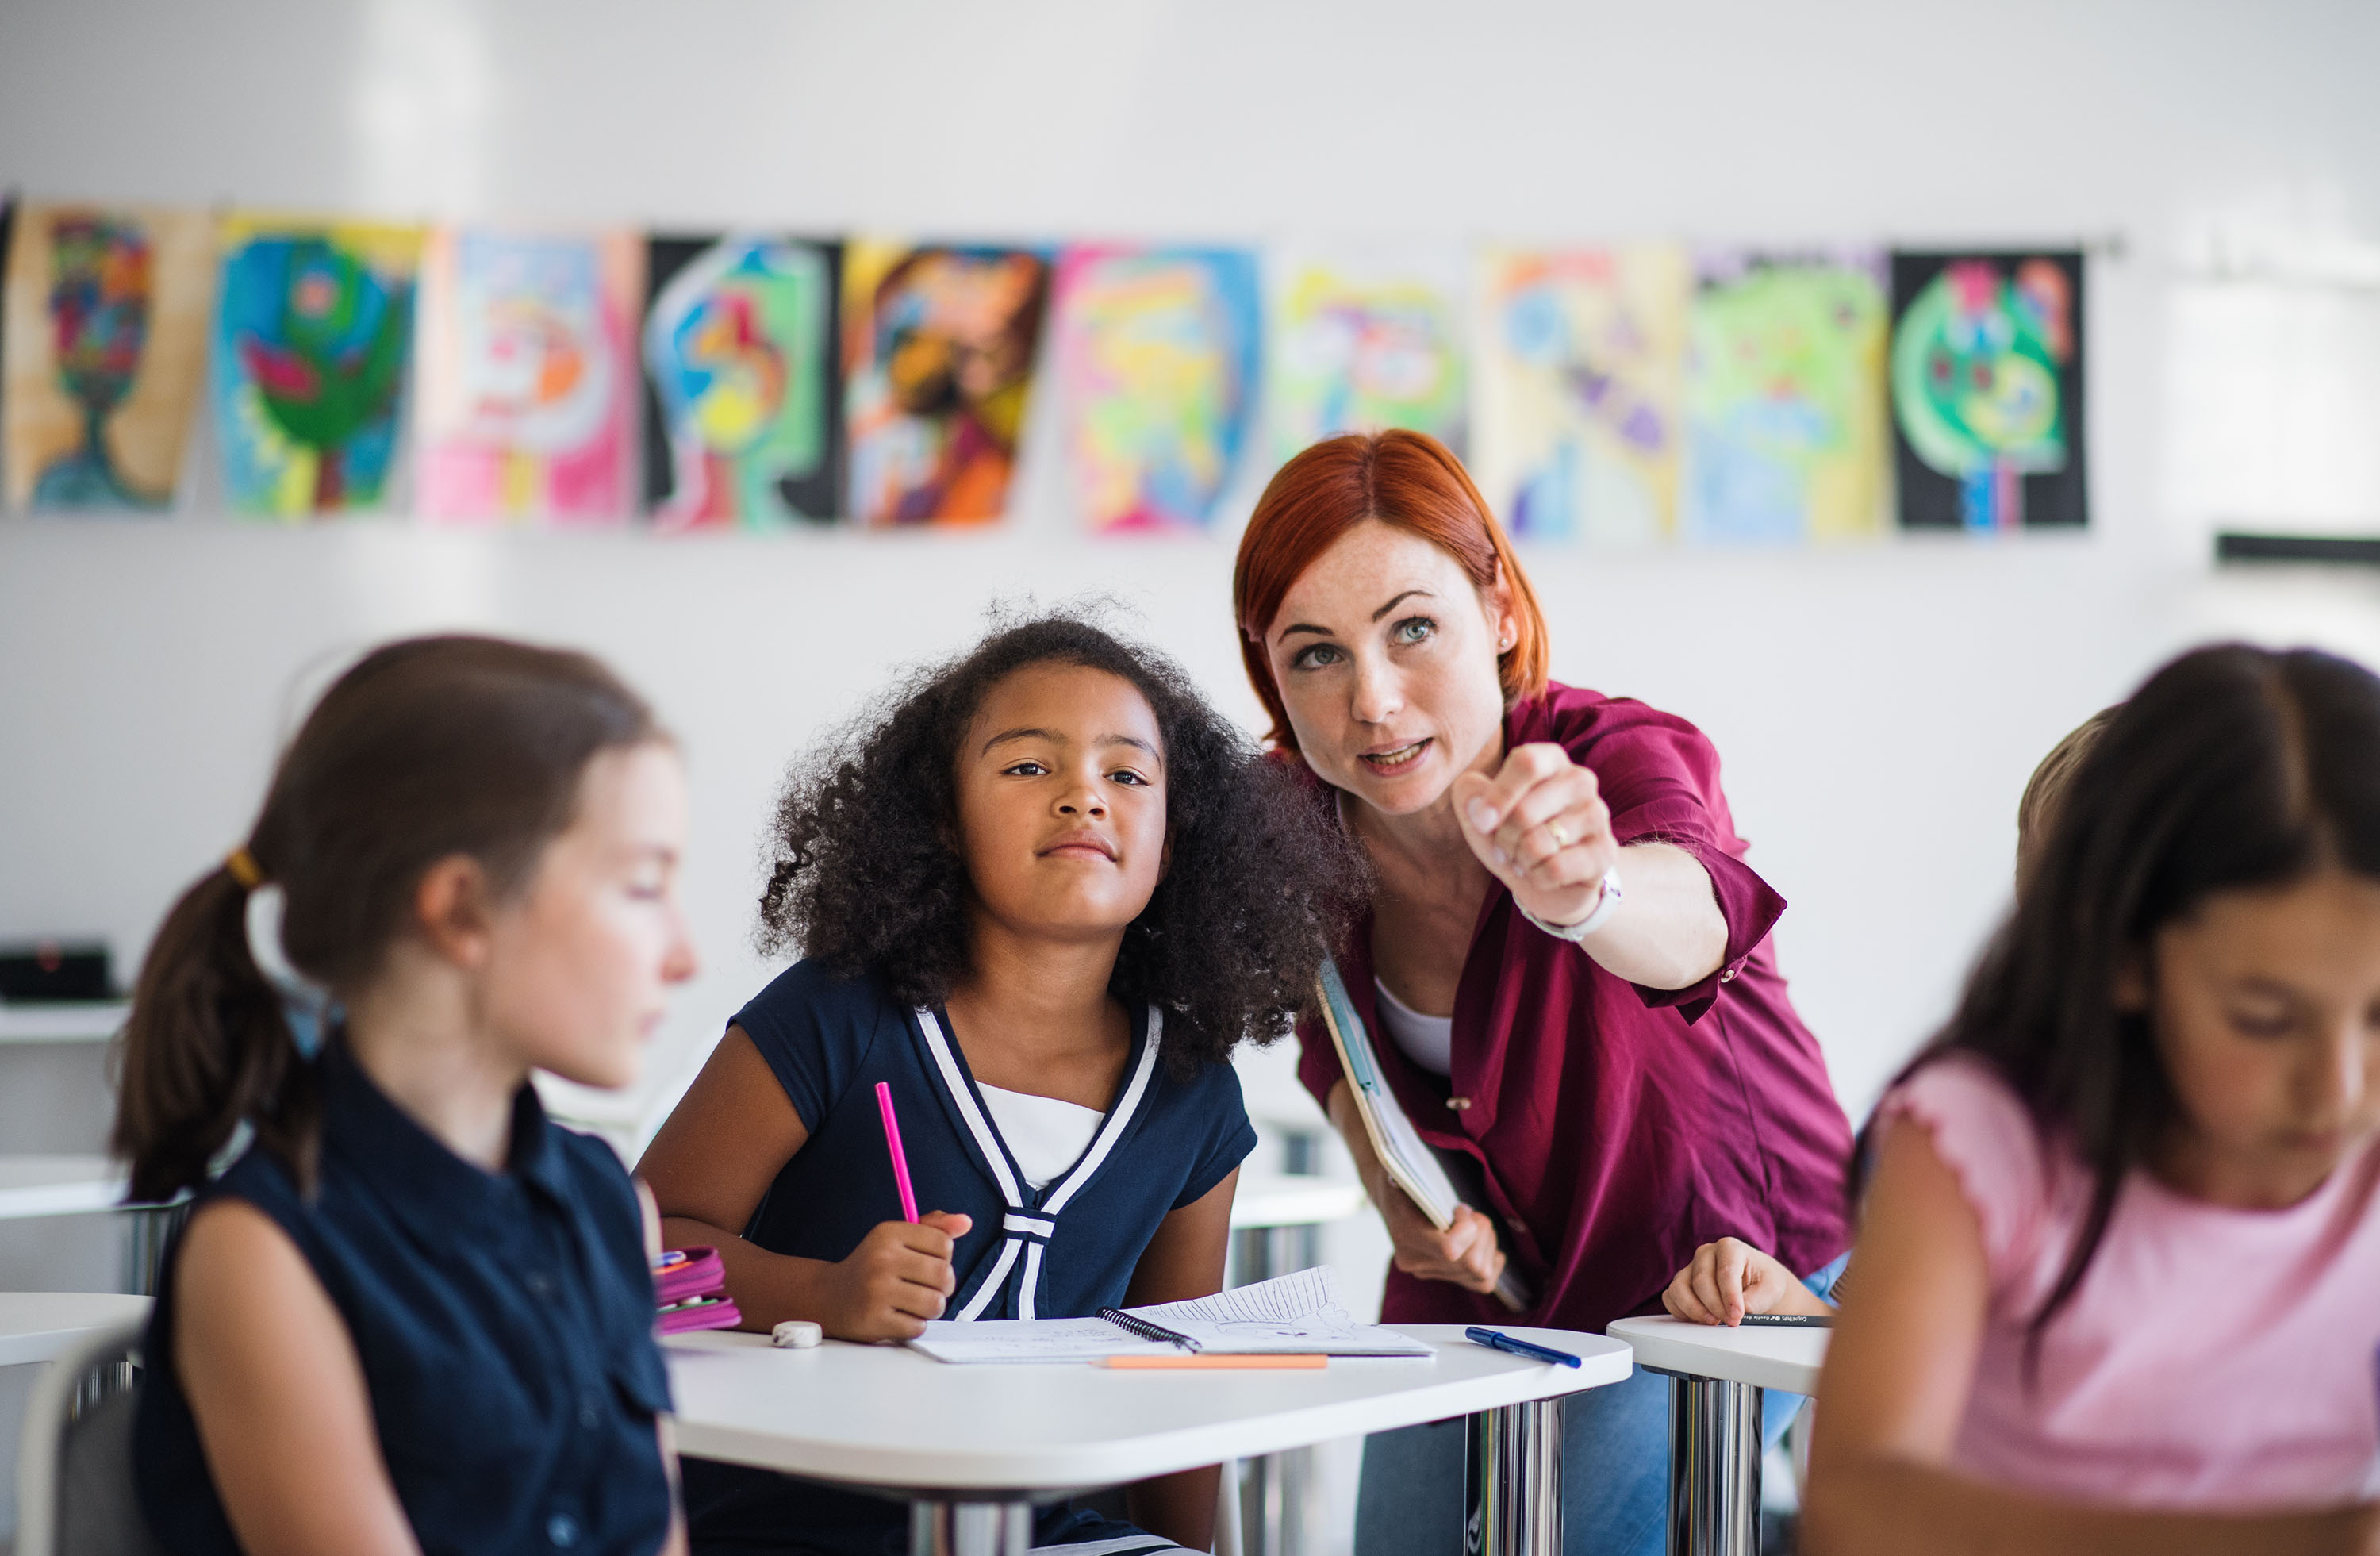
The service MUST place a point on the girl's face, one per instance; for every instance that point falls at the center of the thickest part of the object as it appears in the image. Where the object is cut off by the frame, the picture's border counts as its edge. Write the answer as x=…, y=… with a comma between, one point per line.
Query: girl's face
x=580, y=961
x=2266, y=1009
x=1385, y=654
x=1061, y=805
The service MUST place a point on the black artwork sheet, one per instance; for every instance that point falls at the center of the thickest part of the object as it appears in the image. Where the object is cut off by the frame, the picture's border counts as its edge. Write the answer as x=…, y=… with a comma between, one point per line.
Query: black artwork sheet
x=783, y=489
x=1985, y=374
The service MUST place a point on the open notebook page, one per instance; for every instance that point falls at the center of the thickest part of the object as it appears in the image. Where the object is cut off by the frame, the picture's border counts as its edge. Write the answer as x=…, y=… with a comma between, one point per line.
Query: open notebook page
x=1296, y=1315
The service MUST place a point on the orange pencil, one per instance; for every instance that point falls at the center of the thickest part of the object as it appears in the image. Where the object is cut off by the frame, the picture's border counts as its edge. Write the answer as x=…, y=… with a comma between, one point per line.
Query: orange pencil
x=1180, y=1363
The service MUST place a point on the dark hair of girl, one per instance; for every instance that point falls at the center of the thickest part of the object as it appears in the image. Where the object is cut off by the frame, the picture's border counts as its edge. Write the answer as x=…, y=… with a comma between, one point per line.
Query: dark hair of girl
x=866, y=875
x=2233, y=767
x=422, y=750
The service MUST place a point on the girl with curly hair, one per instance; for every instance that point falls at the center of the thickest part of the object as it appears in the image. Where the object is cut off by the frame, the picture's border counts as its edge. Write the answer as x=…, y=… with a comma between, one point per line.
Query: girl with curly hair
x=1042, y=891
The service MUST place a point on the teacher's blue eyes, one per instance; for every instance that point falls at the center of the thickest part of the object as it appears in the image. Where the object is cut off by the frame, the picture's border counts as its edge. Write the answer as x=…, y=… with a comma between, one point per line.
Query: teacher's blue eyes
x=1404, y=634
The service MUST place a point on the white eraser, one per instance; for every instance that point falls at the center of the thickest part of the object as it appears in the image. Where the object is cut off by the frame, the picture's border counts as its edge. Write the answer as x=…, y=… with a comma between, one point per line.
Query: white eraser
x=797, y=1332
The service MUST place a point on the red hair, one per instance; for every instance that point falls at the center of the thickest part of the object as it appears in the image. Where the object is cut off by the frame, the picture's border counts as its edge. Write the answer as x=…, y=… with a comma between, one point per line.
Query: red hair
x=1408, y=480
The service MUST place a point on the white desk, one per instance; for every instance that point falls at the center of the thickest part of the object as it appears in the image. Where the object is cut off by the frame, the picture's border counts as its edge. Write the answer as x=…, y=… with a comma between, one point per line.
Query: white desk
x=1766, y=1358
x=1717, y=1374
x=76, y=1185
x=972, y=1448
x=40, y=1326
x=79, y=1023
x=58, y=1186
x=1293, y=1200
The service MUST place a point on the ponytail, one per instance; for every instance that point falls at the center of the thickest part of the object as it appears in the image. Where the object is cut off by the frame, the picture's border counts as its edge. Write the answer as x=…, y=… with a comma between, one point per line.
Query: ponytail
x=423, y=750
x=208, y=1047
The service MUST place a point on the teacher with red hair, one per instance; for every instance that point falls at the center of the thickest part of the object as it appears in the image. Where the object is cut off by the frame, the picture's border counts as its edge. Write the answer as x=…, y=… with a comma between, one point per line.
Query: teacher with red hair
x=1566, y=969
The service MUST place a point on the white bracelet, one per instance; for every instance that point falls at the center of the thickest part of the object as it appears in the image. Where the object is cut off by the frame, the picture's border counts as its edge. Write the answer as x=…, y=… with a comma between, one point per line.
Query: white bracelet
x=1605, y=906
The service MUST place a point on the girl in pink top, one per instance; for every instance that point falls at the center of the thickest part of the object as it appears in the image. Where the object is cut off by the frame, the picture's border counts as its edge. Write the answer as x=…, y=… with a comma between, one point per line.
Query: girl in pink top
x=2117, y=1285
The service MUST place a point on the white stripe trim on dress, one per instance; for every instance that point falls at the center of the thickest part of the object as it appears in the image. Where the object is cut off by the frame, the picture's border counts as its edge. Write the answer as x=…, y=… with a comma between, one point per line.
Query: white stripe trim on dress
x=1089, y=1165
x=1019, y=1224
x=1026, y=1287
x=991, y=1283
x=987, y=1139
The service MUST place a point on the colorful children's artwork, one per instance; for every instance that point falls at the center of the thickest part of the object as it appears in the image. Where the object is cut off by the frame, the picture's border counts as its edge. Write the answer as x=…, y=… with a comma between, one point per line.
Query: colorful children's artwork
x=939, y=354
x=1579, y=417
x=1363, y=340
x=1158, y=357
x=1988, y=390
x=106, y=336
x=1786, y=435
x=312, y=331
x=743, y=419
x=527, y=376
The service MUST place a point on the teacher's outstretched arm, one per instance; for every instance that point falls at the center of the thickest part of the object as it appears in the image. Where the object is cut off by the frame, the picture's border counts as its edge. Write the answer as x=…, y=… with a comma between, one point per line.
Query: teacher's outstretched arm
x=1541, y=827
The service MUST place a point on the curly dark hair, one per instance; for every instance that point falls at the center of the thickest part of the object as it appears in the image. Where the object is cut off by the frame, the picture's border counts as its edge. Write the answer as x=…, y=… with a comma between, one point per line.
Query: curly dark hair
x=866, y=877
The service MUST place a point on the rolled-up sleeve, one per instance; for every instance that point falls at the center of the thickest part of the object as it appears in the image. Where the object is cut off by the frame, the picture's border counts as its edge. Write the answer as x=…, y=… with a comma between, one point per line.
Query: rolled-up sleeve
x=1659, y=776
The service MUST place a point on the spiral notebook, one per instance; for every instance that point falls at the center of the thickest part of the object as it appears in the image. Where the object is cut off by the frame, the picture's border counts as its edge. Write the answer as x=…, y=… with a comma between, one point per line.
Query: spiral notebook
x=1296, y=1315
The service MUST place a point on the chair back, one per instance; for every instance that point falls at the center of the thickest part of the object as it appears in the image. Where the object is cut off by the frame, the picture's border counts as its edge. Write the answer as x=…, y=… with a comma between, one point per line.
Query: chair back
x=75, y=1494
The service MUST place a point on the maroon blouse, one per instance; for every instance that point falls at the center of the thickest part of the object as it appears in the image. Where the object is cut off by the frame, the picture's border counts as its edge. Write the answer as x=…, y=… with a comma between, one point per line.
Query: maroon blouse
x=1617, y=1127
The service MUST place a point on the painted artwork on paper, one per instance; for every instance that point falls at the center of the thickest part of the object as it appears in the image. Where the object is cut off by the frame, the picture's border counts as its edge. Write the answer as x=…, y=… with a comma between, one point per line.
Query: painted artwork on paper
x=1158, y=359
x=1577, y=390
x=1361, y=339
x=313, y=327
x=743, y=415
x=939, y=348
x=1786, y=424
x=1988, y=390
x=525, y=402
x=106, y=336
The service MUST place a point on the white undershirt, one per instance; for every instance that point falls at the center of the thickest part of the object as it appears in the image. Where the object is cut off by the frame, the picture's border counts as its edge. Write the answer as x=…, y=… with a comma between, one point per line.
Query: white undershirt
x=1046, y=1136
x=1427, y=1040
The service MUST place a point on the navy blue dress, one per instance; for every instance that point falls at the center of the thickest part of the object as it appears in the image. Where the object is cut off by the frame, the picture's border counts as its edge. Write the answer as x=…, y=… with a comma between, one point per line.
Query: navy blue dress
x=505, y=1322
x=1064, y=1250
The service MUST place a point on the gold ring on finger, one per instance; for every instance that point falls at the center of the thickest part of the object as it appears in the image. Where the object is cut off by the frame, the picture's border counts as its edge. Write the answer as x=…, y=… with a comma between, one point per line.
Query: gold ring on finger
x=1555, y=831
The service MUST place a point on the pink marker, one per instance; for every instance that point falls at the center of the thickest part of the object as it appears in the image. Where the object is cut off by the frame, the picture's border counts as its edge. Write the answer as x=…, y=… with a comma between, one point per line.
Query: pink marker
x=892, y=1144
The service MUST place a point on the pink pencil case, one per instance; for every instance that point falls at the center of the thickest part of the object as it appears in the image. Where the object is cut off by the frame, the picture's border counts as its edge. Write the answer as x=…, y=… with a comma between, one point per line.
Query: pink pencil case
x=690, y=1293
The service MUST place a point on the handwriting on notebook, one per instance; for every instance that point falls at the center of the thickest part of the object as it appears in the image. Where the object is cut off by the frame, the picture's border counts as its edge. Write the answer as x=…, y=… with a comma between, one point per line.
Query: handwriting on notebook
x=1296, y=1313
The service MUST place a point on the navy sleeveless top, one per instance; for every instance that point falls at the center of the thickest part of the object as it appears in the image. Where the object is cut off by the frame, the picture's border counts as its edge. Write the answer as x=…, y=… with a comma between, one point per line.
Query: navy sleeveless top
x=505, y=1323
x=1064, y=1250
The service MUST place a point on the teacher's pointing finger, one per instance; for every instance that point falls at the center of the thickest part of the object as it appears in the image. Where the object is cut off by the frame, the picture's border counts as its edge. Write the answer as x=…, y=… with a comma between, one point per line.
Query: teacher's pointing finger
x=1484, y=804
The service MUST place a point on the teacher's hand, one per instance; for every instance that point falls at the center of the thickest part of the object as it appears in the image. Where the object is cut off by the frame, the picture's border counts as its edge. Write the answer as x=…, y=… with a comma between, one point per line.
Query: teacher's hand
x=1465, y=1253
x=1541, y=827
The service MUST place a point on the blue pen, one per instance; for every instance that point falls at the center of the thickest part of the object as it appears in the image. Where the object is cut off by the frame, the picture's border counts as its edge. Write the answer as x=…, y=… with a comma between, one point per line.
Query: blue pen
x=1498, y=1340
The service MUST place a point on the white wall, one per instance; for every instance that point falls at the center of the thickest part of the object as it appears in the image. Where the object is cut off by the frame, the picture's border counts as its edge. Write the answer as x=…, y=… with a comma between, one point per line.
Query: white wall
x=1878, y=708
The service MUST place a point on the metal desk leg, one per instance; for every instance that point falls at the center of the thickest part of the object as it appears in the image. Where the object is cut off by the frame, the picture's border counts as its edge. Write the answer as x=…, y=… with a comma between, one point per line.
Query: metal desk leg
x=1279, y=1516
x=1512, y=1480
x=956, y=1529
x=1714, y=1468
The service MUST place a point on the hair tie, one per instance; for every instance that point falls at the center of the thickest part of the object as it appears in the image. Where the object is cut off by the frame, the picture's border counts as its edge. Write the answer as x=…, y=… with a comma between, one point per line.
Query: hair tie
x=243, y=866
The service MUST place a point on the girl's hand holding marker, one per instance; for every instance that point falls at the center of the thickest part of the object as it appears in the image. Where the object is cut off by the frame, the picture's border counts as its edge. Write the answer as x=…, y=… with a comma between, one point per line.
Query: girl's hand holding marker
x=897, y=1278
x=1731, y=1281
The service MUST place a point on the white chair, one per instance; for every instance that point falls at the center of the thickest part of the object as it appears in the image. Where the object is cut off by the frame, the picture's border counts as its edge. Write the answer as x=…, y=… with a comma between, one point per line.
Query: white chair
x=74, y=1472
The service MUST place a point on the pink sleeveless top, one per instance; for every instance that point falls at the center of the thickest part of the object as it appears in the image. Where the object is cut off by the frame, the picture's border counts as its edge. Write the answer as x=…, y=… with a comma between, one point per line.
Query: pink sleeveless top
x=2212, y=1358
